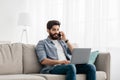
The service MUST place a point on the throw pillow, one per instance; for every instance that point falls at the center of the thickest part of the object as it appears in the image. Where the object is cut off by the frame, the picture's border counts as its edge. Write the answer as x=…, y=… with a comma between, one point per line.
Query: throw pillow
x=93, y=57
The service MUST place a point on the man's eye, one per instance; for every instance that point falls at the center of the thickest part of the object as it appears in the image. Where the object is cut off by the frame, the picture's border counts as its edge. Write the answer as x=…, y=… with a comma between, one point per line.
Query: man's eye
x=53, y=30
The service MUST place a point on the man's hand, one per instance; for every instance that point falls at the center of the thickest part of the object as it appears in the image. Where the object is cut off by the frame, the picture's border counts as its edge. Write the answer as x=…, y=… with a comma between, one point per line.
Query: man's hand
x=47, y=61
x=64, y=62
x=63, y=37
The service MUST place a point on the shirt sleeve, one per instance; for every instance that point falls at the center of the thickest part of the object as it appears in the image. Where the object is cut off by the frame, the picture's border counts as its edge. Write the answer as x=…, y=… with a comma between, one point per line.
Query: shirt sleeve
x=40, y=51
x=69, y=52
x=67, y=49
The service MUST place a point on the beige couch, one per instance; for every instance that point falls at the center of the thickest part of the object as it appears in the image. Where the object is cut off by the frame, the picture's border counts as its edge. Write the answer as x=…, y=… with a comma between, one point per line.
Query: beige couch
x=19, y=62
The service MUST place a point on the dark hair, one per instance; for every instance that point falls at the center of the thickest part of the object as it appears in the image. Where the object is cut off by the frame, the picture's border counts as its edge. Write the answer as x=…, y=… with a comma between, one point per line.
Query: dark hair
x=51, y=23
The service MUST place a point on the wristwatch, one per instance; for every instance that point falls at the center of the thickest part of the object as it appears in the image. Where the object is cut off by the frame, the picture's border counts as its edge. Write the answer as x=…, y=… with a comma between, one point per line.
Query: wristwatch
x=66, y=41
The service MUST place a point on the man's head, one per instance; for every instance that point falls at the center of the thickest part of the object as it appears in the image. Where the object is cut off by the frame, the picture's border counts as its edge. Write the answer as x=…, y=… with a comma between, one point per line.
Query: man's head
x=53, y=29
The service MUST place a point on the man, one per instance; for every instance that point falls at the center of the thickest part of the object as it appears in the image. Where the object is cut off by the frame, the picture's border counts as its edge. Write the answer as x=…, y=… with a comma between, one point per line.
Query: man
x=54, y=54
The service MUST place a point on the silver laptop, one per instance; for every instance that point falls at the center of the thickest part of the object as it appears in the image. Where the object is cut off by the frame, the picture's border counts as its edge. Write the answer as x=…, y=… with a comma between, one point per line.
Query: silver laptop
x=80, y=55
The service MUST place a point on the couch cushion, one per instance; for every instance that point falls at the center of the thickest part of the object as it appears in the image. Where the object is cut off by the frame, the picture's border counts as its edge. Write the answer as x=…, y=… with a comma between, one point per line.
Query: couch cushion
x=10, y=58
x=93, y=57
x=61, y=77
x=99, y=74
x=21, y=77
x=30, y=61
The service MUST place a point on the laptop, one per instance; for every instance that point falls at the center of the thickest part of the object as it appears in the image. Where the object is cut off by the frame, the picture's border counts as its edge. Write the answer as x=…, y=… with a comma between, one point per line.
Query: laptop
x=80, y=55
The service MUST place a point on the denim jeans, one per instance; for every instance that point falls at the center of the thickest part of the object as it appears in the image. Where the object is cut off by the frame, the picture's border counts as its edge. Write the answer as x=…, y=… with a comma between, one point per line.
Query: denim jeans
x=70, y=70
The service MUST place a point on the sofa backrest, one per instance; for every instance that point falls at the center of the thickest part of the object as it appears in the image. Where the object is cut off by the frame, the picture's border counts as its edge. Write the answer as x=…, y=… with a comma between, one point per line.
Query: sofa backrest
x=11, y=58
x=18, y=58
x=30, y=61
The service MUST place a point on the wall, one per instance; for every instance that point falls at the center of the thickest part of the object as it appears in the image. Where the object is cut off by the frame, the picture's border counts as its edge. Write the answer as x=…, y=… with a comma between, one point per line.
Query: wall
x=115, y=63
x=9, y=11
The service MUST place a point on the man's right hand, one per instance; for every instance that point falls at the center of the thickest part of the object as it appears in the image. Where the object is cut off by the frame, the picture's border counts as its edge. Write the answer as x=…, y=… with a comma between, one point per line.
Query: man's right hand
x=64, y=62
x=47, y=61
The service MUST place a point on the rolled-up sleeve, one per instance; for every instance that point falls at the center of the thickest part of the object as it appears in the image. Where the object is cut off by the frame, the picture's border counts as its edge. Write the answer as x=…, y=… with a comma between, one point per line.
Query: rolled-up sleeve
x=40, y=51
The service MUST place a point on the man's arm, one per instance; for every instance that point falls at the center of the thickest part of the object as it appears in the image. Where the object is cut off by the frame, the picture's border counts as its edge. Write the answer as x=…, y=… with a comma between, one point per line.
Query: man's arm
x=70, y=46
x=47, y=61
x=42, y=56
x=65, y=39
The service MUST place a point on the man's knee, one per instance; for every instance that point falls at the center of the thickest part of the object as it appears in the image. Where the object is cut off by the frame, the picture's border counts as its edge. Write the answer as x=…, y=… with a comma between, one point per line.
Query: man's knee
x=91, y=67
x=71, y=67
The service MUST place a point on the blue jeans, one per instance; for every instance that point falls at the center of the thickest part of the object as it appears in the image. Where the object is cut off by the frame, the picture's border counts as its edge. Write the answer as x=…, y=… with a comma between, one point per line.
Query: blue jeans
x=70, y=70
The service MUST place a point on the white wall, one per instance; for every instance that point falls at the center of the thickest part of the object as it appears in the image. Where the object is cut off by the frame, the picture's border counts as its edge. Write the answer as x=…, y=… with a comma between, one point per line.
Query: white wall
x=115, y=63
x=9, y=11
x=8, y=18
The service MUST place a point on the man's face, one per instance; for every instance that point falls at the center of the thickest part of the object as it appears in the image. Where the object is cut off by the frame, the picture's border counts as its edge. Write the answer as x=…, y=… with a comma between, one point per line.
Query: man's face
x=53, y=32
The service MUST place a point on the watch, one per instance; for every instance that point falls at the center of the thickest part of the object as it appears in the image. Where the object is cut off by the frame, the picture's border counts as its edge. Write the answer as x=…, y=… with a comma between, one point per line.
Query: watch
x=66, y=41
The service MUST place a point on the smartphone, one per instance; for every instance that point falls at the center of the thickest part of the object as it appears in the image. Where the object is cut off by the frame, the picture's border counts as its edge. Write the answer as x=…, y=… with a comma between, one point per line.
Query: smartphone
x=59, y=35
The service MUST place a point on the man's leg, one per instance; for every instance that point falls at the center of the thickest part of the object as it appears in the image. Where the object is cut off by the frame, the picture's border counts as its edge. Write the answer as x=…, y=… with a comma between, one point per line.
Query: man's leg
x=87, y=69
x=69, y=70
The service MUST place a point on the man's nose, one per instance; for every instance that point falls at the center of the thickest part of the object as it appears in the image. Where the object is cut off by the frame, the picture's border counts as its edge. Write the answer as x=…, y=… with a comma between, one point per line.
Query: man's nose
x=57, y=32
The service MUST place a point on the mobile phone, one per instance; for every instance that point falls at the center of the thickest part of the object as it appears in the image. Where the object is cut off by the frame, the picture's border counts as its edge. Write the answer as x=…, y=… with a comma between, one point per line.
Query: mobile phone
x=59, y=35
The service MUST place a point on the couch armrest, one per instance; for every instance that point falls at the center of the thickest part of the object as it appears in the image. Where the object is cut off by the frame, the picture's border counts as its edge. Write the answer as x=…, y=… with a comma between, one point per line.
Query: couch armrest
x=103, y=63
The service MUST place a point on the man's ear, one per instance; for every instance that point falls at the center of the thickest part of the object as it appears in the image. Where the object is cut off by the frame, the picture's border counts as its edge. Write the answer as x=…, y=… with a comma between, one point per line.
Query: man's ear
x=48, y=30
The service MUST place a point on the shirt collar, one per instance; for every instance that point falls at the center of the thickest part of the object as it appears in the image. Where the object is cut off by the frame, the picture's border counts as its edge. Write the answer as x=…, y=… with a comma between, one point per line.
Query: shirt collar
x=50, y=41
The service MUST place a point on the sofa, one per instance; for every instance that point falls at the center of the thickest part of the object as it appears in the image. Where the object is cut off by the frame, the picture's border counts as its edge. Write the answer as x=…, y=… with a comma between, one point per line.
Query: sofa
x=18, y=61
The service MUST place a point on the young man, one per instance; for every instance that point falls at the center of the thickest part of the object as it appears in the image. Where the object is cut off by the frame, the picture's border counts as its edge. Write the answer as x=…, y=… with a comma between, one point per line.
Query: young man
x=54, y=54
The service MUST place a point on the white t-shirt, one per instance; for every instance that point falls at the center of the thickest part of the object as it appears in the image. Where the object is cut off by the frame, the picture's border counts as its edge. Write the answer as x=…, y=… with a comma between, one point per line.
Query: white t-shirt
x=60, y=51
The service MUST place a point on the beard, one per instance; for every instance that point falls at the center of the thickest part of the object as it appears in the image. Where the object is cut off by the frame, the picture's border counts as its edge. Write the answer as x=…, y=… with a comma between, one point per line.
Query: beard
x=54, y=36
